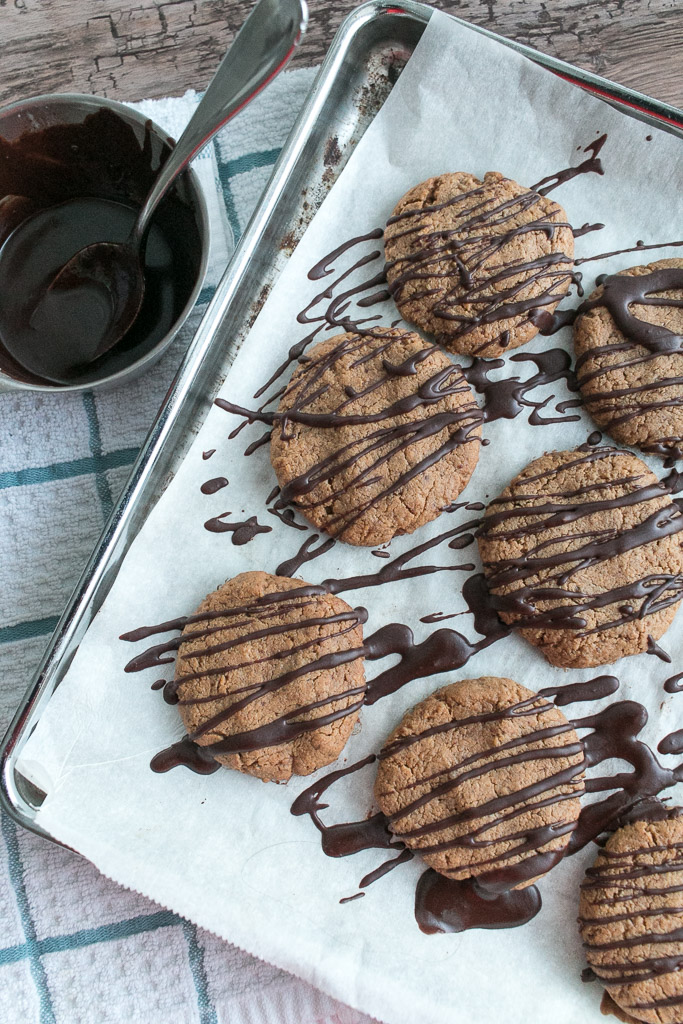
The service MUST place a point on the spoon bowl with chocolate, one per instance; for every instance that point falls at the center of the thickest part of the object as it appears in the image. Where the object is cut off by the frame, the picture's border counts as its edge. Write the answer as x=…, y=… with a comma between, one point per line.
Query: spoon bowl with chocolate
x=74, y=170
x=86, y=281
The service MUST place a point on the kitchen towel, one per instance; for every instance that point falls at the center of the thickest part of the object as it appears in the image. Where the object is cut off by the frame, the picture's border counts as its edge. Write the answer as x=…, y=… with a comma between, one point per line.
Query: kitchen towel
x=74, y=947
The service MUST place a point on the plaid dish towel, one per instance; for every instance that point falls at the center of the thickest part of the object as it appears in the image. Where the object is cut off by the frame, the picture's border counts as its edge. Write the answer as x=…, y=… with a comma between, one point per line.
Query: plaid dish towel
x=74, y=947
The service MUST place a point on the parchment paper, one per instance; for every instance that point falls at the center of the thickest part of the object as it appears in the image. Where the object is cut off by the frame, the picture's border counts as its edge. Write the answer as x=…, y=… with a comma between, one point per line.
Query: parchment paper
x=224, y=850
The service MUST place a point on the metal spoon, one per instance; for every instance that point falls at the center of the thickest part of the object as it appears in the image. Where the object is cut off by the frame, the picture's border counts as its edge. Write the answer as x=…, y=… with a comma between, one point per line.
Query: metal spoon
x=110, y=274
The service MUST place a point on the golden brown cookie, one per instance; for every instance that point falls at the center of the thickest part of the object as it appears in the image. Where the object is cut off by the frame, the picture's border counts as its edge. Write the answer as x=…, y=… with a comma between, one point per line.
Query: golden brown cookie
x=472, y=262
x=582, y=553
x=631, y=918
x=262, y=661
x=376, y=433
x=629, y=356
x=483, y=779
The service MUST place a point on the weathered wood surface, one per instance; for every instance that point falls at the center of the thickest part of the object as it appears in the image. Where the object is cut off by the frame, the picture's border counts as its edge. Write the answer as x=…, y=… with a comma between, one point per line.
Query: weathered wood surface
x=128, y=49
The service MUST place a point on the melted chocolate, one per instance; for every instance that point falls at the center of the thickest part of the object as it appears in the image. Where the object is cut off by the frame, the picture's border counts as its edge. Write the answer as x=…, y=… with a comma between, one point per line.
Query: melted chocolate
x=674, y=684
x=509, y=397
x=306, y=553
x=83, y=183
x=446, y=905
x=349, y=837
x=208, y=454
x=211, y=486
x=591, y=165
x=638, y=247
x=654, y=648
x=242, y=532
x=187, y=753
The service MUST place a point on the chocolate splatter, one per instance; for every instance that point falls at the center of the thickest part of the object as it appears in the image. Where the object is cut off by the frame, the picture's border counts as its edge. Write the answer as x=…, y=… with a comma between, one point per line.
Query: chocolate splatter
x=216, y=484
x=242, y=532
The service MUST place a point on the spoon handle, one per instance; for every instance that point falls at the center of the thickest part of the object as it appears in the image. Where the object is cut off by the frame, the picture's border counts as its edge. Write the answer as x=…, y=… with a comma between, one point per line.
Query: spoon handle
x=261, y=49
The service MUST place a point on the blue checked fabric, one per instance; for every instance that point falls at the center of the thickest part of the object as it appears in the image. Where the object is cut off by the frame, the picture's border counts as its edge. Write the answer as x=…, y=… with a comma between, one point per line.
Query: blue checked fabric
x=74, y=947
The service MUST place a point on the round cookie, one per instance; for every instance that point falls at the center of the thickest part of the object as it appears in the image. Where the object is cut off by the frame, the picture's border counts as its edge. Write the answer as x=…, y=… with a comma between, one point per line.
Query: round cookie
x=474, y=262
x=631, y=918
x=376, y=433
x=262, y=660
x=483, y=779
x=629, y=349
x=582, y=554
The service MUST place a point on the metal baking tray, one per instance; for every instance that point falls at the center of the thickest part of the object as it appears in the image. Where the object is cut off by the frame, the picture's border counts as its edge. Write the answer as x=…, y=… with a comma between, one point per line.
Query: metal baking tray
x=364, y=61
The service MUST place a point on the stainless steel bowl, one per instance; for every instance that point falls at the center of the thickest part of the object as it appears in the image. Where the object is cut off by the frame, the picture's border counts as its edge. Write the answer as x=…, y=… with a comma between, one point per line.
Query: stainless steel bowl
x=41, y=112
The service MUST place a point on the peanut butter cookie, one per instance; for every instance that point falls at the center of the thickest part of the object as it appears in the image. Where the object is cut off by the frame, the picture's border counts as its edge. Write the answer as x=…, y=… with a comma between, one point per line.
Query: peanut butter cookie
x=629, y=356
x=582, y=554
x=270, y=677
x=473, y=262
x=631, y=918
x=483, y=779
x=376, y=433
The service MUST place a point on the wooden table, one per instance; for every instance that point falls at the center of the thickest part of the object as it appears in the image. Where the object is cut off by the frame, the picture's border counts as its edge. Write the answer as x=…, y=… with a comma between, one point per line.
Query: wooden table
x=130, y=49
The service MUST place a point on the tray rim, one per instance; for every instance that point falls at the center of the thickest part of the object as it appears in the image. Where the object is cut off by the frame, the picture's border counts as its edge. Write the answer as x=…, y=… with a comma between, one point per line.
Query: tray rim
x=65, y=640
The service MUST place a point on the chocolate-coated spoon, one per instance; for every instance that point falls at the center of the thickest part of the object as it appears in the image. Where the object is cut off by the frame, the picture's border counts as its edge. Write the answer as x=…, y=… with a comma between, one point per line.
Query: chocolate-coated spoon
x=107, y=277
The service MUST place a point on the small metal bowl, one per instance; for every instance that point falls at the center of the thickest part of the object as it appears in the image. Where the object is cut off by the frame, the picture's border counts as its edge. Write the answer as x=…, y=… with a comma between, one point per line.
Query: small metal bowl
x=38, y=113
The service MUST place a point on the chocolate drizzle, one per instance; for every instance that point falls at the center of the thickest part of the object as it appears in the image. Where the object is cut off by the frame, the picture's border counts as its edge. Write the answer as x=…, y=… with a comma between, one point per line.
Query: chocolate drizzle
x=674, y=684
x=654, y=648
x=445, y=905
x=211, y=486
x=306, y=553
x=510, y=396
x=591, y=165
x=242, y=532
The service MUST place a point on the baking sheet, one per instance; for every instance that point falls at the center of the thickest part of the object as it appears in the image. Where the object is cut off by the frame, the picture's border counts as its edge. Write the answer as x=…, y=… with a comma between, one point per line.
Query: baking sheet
x=224, y=850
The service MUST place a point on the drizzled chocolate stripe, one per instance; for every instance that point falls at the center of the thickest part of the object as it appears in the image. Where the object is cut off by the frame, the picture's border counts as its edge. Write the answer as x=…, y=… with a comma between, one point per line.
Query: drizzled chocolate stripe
x=472, y=242
x=541, y=588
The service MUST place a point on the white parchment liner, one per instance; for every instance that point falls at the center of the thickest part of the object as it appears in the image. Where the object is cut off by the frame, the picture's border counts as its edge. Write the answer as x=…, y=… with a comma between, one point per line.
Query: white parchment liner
x=224, y=850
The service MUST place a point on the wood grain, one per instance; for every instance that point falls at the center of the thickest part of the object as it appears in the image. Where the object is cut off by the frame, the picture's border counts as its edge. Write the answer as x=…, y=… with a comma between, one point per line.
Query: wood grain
x=129, y=49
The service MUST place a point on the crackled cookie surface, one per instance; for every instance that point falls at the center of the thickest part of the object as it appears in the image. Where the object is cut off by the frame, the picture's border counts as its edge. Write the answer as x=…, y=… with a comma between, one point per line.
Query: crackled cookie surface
x=631, y=919
x=483, y=779
x=475, y=262
x=375, y=434
x=270, y=676
x=582, y=554
x=629, y=356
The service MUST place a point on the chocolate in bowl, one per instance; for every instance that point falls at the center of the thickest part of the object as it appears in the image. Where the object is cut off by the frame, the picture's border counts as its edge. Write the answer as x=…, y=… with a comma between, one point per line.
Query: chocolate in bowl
x=81, y=167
